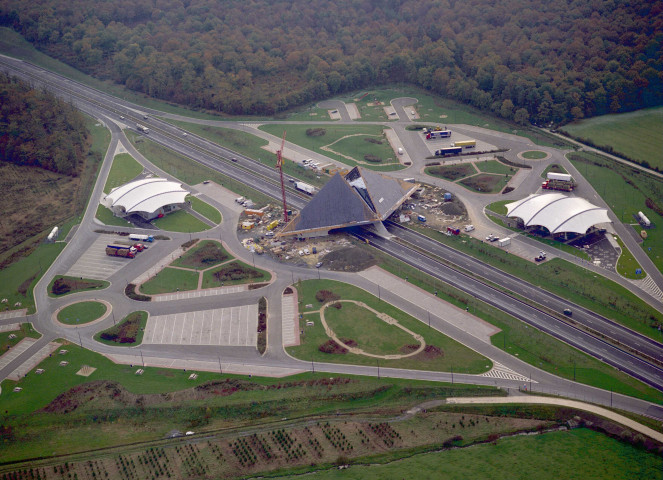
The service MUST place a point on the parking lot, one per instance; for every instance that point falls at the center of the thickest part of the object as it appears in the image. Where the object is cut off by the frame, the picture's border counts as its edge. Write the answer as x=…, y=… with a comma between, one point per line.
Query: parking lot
x=94, y=263
x=234, y=326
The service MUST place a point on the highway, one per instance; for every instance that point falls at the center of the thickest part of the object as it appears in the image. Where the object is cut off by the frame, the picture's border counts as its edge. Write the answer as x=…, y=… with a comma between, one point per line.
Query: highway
x=264, y=179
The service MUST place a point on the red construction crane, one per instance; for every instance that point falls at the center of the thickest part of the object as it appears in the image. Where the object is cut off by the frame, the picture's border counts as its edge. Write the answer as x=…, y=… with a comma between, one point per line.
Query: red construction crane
x=279, y=165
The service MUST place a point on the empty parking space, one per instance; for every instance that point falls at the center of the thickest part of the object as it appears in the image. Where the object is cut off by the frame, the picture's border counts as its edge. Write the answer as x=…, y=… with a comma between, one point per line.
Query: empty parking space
x=234, y=326
x=94, y=263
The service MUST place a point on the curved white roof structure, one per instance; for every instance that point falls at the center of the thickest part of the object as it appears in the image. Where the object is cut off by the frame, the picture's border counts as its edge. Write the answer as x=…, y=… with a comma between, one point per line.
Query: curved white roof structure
x=557, y=212
x=146, y=195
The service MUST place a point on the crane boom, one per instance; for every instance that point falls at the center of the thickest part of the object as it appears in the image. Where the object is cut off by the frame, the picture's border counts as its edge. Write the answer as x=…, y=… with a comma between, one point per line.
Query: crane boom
x=279, y=165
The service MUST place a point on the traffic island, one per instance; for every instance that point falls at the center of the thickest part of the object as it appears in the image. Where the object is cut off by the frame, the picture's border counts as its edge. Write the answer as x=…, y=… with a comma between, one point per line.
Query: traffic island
x=82, y=313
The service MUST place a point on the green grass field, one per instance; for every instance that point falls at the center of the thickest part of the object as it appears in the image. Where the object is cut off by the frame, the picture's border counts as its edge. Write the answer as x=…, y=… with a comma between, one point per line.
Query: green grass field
x=451, y=172
x=348, y=143
x=625, y=190
x=554, y=168
x=534, y=154
x=530, y=345
x=454, y=355
x=81, y=313
x=493, y=166
x=180, y=221
x=205, y=209
x=580, y=453
x=106, y=217
x=627, y=265
x=24, y=330
x=638, y=135
x=371, y=334
x=124, y=169
x=188, y=171
x=170, y=280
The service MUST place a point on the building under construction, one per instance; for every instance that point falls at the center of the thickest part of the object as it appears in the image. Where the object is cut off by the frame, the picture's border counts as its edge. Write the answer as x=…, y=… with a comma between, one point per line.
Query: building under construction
x=361, y=197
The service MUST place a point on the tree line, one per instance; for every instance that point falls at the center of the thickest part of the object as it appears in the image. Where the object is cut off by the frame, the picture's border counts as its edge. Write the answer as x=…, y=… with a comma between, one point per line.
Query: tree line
x=38, y=129
x=524, y=60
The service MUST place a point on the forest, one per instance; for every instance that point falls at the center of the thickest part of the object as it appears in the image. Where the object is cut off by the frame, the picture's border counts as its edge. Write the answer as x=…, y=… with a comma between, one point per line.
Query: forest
x=530, y=61
x=37, y=129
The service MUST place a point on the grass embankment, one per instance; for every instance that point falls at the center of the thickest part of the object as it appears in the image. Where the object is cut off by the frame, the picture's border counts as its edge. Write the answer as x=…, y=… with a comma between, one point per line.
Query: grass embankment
x=451, y=172
x=580, y=453
x=627, y=265
x=636, y=135
x=567, y=280
x=205, y=209
x=485, y=183
x=127, y=333
x=189, y=171
x=146, y=407
x=81, y=313
x=377, y=336
x=106, y=217
x=251, y=146
x=180, y=221
x=529, y=344
x=63, y=285
x=349, y=144
x=24, y=330
x=626, y=190
x=124, y=169
x=23, y=265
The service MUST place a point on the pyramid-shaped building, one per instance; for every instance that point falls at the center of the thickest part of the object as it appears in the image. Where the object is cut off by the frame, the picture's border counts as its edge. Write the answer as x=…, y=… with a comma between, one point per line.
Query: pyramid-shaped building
x=361, y=197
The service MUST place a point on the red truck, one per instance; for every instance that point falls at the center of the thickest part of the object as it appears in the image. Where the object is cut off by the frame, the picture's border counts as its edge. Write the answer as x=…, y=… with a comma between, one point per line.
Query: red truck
x=115, y=250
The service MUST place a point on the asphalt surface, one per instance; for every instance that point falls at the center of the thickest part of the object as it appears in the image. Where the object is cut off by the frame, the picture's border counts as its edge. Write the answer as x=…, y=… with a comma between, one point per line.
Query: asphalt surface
x=97, y=104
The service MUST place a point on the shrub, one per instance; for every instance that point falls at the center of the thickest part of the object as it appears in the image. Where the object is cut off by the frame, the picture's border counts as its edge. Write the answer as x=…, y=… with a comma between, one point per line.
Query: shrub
x=372, y=158
x=315, y=132
x=60, y=287
x=324, y=296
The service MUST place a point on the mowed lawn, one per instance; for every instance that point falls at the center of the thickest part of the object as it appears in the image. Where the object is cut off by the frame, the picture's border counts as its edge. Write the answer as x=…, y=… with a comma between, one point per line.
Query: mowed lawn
x=123, y=170
x=636, y=134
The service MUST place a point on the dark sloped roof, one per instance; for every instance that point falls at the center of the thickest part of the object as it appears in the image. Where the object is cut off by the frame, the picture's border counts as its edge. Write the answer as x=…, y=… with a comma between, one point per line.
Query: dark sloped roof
x=385, y=193
x=335, y=205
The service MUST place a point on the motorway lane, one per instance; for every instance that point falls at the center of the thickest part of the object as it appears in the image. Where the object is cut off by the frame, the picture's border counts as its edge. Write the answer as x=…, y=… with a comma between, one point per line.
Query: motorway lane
x=587, y=343
x=624, y=335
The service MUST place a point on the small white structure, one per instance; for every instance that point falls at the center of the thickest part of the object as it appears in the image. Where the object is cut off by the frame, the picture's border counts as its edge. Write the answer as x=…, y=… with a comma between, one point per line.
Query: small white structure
x=558, y=213
x=150, y=198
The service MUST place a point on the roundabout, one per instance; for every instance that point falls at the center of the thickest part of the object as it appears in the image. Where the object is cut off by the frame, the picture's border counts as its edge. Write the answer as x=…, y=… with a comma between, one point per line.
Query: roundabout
x=82, y=313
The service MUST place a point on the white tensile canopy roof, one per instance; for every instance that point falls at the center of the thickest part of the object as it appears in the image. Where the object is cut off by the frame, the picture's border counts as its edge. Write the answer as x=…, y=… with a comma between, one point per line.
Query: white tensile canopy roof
x=558, y=213
x=147, y=195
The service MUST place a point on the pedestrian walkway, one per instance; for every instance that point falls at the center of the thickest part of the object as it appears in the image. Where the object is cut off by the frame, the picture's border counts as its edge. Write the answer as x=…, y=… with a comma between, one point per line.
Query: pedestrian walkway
x=10, y=327
x=289, y=323
x=208, y=292
x=205, y=366
x=443, y=310
x=505, y=373
x=157, y=267
x=31, y=362
x=13, y=314
x=604, y=412
x=648, y=285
